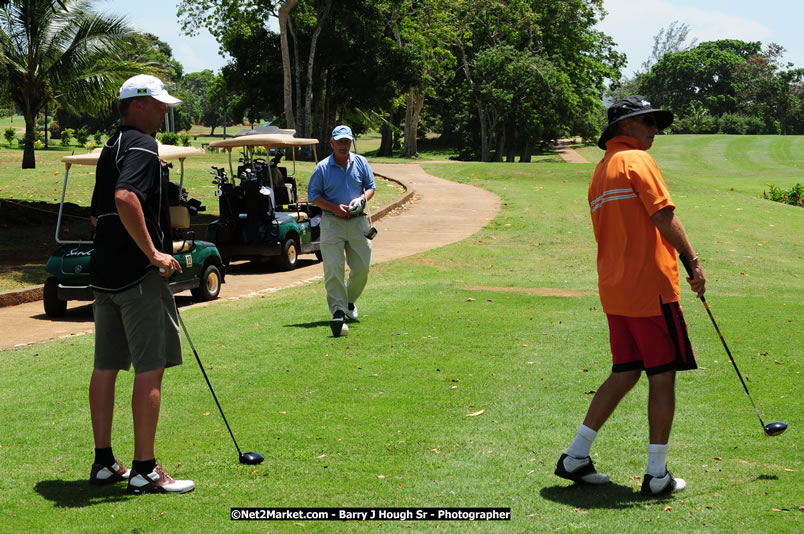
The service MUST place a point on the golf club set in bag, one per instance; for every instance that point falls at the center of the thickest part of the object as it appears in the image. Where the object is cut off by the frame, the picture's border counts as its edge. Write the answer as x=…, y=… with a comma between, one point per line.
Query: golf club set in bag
x=771, y=429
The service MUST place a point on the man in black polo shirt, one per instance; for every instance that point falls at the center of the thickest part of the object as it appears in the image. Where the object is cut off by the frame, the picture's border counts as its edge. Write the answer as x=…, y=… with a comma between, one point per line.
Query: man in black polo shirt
x=136, y=322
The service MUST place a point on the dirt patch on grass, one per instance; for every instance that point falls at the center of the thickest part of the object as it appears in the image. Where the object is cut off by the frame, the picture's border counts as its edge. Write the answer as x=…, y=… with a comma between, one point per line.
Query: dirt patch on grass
x=540, y=291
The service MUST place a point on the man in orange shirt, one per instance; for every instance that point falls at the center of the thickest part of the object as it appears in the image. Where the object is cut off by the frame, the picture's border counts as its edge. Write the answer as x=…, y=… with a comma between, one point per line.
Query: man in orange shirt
x=638, y=235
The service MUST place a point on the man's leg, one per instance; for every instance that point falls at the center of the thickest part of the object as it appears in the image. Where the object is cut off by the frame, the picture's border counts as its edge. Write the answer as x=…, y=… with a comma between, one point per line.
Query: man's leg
x=608, y=396
x=661, y=408
x=145, y=403
x=358, y=257
x=661, y=405
x=332, y=253
x=576, y=463
x=101, y=405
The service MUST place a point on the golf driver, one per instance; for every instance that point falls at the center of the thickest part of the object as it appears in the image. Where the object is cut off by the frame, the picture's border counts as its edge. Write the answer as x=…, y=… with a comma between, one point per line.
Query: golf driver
x=772, y=429
x=250, y=458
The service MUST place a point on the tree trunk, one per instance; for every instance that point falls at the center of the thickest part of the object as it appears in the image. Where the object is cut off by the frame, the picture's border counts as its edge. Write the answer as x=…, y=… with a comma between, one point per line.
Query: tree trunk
x=28, y=156
x=498, y=156
x=283, y=39
x=525, y=152
x=484, y=133
x=297, y=84
x=308, y=94
x=412, y=116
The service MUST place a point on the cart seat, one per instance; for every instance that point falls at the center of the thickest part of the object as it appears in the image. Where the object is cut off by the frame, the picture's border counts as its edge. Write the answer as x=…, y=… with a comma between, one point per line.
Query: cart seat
x=179, y=217
x=182, y=246
x=300, y=216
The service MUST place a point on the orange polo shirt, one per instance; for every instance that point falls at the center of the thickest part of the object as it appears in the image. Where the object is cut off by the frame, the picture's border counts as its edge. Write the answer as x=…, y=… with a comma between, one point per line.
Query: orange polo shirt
x=636, y=266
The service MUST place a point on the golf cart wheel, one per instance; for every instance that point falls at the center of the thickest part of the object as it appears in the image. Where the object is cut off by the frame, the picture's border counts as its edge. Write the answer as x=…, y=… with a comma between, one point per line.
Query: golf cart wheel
x=290, y=255
x=54, y=307
x=210, y=284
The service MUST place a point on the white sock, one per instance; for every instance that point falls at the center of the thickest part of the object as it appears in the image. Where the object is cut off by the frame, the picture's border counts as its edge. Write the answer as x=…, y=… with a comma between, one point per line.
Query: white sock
x=582, y=443
x=657, y=459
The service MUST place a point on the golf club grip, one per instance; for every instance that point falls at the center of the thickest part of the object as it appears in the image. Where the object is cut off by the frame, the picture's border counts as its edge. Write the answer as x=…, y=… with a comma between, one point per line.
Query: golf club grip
x=685, y=261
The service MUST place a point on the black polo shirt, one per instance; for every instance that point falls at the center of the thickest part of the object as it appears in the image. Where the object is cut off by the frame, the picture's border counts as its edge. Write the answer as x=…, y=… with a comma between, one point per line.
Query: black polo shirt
x=129, y=160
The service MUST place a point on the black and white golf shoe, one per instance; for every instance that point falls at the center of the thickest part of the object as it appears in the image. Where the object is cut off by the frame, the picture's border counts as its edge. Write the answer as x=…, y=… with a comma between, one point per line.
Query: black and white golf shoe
x=338, y=326
x=657, y=486
x=580, y=470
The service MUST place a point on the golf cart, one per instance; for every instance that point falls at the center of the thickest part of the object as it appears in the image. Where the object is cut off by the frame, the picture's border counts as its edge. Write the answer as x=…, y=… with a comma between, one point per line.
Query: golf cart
x=262, y=215
x=202, y=268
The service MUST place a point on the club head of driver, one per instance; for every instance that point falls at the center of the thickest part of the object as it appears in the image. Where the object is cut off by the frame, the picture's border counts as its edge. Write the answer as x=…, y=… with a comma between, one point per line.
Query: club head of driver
x=775, y=428
x=251, y=458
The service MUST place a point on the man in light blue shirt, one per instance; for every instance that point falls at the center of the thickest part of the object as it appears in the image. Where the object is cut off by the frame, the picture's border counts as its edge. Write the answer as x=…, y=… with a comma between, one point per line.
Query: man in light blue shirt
x=341, y=185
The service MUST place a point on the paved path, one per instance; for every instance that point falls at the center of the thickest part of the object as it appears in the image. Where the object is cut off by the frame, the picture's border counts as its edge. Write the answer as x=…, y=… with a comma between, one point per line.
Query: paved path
x=567, y=153
x=440, y=212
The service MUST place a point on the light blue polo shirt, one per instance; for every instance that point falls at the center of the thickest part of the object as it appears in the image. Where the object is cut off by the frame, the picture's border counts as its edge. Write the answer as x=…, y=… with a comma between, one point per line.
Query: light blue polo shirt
x=330, y=181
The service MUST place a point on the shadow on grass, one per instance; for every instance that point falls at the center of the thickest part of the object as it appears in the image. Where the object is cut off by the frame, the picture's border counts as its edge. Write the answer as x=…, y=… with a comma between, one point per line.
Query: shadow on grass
x=317, y=324
x=612, y=497
x=79, y=493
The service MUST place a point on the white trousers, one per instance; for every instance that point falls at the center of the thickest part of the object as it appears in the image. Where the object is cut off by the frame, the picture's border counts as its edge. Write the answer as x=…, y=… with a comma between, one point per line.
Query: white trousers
x=344, y=239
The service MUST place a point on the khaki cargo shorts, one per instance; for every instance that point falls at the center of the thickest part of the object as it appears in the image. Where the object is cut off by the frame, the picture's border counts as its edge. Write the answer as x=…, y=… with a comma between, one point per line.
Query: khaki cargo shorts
x=137, y=326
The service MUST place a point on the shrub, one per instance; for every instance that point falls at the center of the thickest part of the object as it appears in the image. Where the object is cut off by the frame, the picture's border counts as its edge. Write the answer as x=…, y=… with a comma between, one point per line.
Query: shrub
x=754, y=126
x=82, y=135
x=21, y=141
x=55, y=130
x=169, y=138
x=731, y=123
x=9, y=134
x=98, y=138
x=67, y=135
x=794, y=197
x=38, y=145
x=89, y=145
x=184, y=138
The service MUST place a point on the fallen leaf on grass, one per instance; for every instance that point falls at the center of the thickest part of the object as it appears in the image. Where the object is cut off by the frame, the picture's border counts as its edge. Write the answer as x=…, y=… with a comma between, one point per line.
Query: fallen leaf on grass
x=524, y=344
x=779, y=510
x=580, y=511
x=205, y=413
x=718, y=458
x=668, y=508
x=322, y=456
x=801, y=508
x=470, y=299
x=777, y=362
x=788, y=470
x=475, y=414
x=436, y=451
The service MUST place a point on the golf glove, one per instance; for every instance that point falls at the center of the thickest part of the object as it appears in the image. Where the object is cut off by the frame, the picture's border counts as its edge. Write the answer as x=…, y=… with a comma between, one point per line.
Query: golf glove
x=357, y=206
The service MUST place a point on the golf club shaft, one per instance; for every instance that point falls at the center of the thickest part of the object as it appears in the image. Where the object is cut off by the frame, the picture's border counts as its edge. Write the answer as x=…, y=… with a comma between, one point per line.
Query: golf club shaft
x=187, y=335
x=685, y=262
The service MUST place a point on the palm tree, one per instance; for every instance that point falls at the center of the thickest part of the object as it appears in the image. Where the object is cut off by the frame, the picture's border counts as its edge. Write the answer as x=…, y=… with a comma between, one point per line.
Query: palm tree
x=58, y=51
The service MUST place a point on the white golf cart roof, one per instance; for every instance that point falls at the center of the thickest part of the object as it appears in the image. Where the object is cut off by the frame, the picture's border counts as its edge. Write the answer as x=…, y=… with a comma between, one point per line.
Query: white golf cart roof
x=166, y=152
x=270, y=140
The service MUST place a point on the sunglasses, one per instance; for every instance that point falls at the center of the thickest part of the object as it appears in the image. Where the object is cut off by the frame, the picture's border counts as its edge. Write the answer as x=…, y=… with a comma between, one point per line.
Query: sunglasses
x=649, y=120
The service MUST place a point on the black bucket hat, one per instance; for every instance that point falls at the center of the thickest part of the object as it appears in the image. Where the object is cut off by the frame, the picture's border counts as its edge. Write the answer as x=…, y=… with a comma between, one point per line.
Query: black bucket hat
x=633, y=106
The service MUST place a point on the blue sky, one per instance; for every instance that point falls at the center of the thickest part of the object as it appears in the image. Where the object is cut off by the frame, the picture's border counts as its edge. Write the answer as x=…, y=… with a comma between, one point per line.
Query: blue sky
x=632, y=24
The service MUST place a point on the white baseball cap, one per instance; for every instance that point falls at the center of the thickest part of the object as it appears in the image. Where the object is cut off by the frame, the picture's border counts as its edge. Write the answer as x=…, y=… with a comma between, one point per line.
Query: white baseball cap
x=145, y=85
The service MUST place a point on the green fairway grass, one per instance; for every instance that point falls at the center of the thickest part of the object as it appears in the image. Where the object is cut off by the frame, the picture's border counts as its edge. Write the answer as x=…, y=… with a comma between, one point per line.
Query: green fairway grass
x=464, y=380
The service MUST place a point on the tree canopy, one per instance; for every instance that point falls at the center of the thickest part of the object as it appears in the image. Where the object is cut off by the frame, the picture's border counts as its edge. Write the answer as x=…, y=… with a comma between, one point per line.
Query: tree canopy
x=388, y=63
x=51, y=54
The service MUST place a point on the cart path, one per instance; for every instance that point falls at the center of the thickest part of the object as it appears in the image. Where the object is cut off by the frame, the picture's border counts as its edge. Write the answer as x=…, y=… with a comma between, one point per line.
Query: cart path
x=441, y=212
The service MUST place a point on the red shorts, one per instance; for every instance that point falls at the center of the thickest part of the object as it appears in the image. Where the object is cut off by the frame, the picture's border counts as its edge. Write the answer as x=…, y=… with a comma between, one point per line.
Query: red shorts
x=655, y=344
